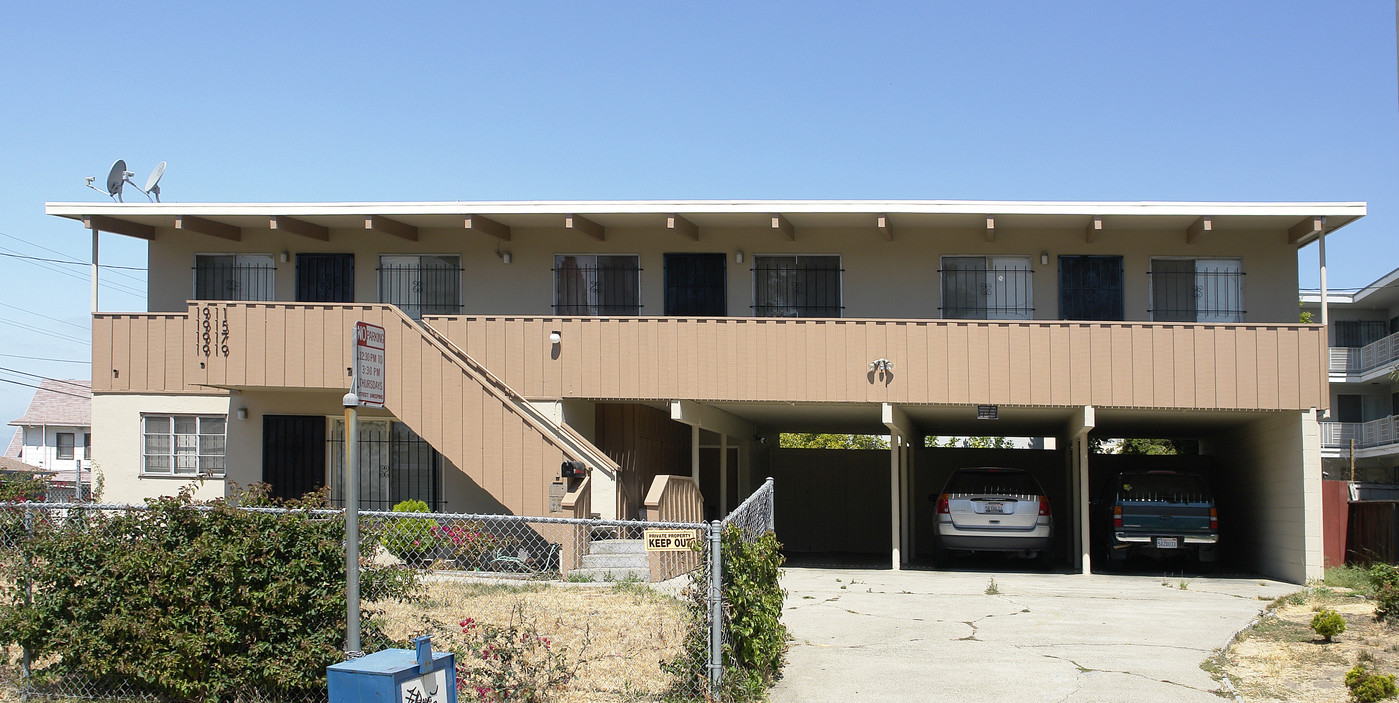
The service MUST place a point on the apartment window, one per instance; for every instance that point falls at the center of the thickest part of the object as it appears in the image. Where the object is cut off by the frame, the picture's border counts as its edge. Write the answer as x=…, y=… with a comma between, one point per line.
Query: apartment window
x=1197, y=290
x=421, y=285
x=797, y=286
x=234, y=277
x=1357, y=333
x=65, y=445
x=184, y=444
x=87, y=445
x=588, y=284
x=987, y=288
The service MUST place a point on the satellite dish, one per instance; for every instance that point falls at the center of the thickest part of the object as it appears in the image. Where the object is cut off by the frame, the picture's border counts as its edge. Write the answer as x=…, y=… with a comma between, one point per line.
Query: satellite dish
x=153, y=183
x=115, y=178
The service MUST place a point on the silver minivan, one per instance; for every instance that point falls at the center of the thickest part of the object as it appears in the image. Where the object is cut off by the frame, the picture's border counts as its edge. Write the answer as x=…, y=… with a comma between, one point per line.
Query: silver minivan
x=993, y=509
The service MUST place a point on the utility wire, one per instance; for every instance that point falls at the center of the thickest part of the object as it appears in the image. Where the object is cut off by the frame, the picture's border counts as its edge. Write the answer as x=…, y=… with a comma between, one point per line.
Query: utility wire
x=31, y=312
x=70, y=257
x=45, y=358
x=72, y=263
x=51, y=333
x=46, y=378
x=70, y=274
x=50, y=390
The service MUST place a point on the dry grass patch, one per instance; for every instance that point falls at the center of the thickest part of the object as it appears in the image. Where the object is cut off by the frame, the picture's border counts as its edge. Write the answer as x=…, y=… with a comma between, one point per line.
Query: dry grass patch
x=1281, y=659
x=621, y=634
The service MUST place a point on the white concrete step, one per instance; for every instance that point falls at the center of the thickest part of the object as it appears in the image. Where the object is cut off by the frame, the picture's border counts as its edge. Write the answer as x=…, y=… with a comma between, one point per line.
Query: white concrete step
x=617, y=546
x=616, y=561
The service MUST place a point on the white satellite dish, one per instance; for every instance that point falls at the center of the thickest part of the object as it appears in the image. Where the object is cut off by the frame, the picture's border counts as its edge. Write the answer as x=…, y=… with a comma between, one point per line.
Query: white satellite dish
x=116, y=177
x=153, y=183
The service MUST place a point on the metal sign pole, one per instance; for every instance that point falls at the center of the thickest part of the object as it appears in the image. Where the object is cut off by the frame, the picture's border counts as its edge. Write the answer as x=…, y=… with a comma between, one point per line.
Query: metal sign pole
x=351, y=522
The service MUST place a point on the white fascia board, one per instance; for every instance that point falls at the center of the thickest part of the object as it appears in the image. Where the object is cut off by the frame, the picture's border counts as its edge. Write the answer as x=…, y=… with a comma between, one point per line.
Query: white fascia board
x=951, y=207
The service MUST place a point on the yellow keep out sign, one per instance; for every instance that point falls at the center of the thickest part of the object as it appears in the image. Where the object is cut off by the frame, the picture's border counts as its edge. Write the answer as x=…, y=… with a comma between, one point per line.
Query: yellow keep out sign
x=669, y=540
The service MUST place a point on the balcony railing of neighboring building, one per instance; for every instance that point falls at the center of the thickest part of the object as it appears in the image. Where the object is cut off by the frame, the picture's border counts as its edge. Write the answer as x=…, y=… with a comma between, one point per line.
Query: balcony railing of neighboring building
x=1377, y=354
x=987, y=294
x=1375, y=433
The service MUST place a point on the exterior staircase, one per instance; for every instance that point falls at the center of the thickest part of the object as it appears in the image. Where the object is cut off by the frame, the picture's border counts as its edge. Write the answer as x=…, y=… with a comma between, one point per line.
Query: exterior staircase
x=614, y=560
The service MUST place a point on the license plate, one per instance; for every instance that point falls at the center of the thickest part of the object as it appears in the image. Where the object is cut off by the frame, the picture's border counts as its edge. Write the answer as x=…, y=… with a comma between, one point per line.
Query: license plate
x=995, y=507
x=1167, y=542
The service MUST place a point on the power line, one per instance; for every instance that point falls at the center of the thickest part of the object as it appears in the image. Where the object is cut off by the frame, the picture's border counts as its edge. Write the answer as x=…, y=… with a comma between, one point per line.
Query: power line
x=51, y=333
x=45, y=358
x=46, y=378
x=50, y=390
x=74, y=276
x=72, y=263
x=31, y=312
x=70, y=257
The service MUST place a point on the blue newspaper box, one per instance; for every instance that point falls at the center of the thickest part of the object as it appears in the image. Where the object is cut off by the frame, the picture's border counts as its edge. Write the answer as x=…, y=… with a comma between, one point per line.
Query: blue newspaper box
x=395, y=676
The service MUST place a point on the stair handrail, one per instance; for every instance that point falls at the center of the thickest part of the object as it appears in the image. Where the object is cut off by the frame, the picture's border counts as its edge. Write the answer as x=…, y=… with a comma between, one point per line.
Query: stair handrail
x=579, y=501
x=577, y=444
x=674, y=499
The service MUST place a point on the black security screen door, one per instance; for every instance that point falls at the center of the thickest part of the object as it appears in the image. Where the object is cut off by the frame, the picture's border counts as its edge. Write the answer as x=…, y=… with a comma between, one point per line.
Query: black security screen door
x=1090, y=288
x=293, y=454
x=694, y=285
x=325, y=278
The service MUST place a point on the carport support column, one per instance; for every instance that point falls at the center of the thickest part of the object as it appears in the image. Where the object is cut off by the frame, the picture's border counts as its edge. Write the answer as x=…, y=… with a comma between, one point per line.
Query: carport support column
x=694, y=452
x=1079, y=428
x=900, y=429
x=723, y=475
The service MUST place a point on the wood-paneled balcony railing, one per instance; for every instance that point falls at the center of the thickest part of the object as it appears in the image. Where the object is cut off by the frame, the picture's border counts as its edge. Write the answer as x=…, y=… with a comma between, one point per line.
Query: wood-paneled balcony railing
x=1030, y=362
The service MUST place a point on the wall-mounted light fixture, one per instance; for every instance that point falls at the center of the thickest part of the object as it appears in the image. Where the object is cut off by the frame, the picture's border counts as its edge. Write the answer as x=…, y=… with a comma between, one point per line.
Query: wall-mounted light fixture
x=1044, y=258
x=285, y=257
x=503, y=255
x=881, y=365
x=242, y=413
x=555, y=337
x=738, y=257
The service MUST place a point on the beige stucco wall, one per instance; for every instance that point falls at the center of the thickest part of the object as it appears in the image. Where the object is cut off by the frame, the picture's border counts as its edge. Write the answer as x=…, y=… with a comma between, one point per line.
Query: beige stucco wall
x=116, y=420
x=892, y=279
x=1271, y=469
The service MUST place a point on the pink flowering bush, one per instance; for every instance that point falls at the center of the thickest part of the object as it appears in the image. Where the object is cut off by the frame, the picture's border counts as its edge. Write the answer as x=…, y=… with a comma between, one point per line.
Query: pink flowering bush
x=511, y=662
x=468, y=543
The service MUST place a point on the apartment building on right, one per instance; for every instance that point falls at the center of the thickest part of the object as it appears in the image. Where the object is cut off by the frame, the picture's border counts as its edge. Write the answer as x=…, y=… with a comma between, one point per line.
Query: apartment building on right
x=1360, y=437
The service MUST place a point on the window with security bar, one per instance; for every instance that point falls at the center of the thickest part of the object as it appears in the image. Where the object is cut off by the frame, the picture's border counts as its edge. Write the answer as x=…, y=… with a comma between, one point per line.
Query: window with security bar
x=234, y=277
x=193, y=445
x=1197, y=290
x=987, y=288
x=597, y=284
x=395, y=465
x=421, y=285
x=797, y=286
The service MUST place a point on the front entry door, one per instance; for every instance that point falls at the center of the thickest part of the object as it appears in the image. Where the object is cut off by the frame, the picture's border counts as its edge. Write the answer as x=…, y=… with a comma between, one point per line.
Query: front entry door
x=1090, y=288
x=325, y=278
x=694, y=285
x=293, y=454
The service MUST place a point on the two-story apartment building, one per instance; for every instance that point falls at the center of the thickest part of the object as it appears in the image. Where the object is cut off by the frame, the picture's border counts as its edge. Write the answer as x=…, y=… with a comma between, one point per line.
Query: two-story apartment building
x=1360, y=438
x=655, y=339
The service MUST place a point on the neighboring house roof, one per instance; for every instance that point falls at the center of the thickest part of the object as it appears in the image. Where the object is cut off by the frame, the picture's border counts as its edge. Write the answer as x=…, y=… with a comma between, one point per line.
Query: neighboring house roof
x=1383, y=293
x=10, y=464
x=16, y=443
x=66, y=403
x=66, y=477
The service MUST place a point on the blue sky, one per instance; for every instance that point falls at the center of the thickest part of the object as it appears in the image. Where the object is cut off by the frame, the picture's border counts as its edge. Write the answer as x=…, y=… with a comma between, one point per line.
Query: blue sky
x=255, y=101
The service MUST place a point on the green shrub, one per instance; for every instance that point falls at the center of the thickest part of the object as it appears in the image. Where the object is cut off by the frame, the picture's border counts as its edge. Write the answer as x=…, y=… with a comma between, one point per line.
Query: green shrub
x=1328, y=623
x=1366, y=687
x=1384, y=582
x=189, y=604
x=757, y=642
x=409, y=538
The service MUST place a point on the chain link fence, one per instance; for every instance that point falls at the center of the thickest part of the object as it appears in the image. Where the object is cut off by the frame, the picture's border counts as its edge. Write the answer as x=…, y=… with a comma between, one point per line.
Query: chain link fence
x=582, y=607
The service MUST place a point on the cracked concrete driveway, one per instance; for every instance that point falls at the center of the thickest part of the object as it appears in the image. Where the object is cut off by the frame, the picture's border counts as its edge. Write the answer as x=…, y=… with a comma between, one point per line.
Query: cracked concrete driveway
x=936, y=635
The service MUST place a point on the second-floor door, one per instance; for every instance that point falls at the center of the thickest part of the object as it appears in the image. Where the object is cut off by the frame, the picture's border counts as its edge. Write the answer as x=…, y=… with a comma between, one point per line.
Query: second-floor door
x=694, y=285
x=1090, y=288
x=325, y=278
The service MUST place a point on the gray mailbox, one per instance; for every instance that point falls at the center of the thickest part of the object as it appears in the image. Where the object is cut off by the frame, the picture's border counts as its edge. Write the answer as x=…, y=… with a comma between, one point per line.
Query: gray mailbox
x=395, y=676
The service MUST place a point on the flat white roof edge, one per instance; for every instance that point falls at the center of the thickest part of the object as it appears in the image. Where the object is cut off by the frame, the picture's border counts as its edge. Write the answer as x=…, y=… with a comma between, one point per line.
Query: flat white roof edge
x=970, y=207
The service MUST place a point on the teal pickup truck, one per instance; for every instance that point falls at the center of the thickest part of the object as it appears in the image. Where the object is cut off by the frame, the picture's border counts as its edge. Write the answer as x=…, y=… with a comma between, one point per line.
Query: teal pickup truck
x=1160, y=514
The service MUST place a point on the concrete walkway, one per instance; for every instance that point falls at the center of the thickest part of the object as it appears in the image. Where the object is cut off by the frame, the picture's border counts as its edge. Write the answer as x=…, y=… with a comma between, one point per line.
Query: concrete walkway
x=930, y=635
